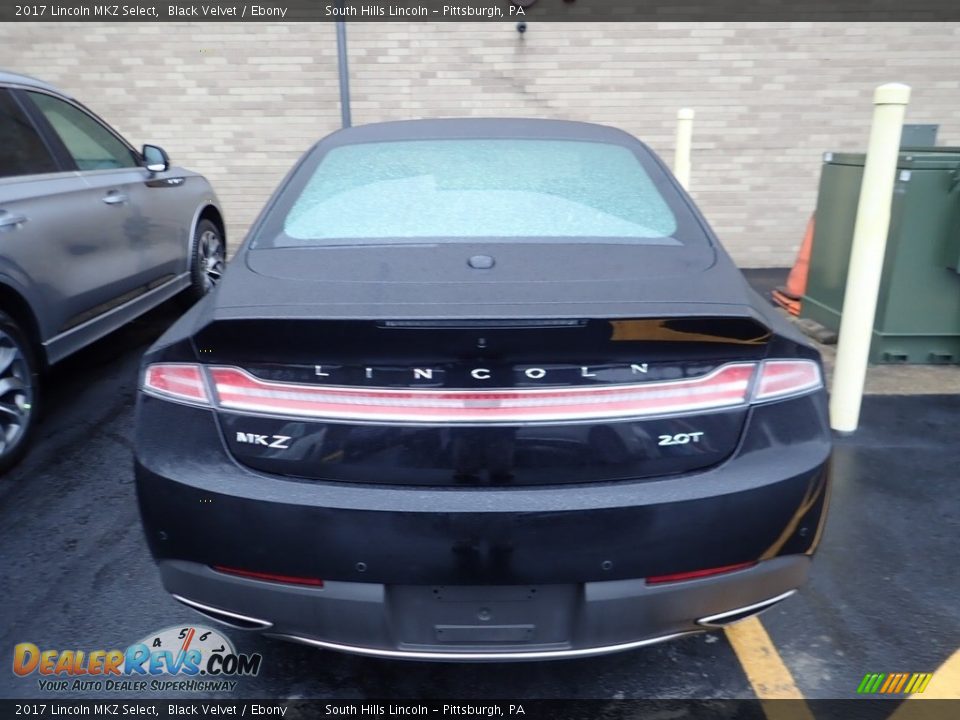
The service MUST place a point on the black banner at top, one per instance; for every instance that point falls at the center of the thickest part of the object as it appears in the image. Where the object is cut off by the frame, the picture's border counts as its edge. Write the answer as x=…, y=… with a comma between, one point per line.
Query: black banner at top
x=380, y=709
x=429, y=11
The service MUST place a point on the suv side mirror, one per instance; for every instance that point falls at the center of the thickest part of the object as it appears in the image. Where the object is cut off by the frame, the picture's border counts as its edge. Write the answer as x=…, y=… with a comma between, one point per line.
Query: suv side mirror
x=155, y=158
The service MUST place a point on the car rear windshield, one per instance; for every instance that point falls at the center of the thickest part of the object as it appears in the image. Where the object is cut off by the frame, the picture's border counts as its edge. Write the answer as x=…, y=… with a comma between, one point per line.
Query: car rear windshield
x=467, y=189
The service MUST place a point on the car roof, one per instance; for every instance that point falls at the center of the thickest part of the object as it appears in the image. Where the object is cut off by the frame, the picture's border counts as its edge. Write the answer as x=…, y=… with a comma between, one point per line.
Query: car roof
x=12, y=78
x=479, y=128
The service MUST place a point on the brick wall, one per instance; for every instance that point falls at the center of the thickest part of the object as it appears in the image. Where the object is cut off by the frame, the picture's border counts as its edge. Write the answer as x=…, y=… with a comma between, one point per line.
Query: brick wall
x=240, y=102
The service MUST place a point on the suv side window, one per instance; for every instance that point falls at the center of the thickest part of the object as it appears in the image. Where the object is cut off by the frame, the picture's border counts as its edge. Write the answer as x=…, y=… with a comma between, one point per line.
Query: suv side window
x=91, y=145
x=22, y=150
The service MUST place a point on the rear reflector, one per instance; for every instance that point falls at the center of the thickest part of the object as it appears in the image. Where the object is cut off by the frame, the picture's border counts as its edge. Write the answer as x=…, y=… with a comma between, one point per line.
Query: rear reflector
x=727, y=386
x=694, y=574
x=780, y=378
x=270, y=577
x=176, y=381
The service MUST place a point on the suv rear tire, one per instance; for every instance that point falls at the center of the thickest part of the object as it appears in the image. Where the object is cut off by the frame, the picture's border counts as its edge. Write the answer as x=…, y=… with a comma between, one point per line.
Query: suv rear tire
x=207, y=261
x=19, y=392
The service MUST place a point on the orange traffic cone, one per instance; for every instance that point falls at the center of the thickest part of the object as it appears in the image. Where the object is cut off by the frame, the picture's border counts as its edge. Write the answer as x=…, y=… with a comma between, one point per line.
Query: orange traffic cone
x=789, y=297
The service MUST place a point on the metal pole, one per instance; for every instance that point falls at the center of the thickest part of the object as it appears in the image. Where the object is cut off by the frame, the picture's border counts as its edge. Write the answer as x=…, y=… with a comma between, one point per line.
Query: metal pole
x=866, y=256
x=344, y=74
x=681, y=158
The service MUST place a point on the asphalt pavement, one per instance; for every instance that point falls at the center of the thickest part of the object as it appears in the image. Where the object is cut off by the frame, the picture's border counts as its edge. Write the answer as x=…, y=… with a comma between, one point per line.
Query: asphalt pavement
x=75, y=572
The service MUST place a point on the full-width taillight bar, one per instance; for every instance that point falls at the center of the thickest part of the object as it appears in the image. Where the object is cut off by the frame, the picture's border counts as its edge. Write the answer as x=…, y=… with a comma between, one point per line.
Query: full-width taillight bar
x=728, y=386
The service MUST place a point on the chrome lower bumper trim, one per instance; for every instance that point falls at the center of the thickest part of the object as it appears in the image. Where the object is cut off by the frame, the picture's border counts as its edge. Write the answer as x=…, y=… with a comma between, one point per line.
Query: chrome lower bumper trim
x=730, y=616
x=225, y=616
x=470, y=656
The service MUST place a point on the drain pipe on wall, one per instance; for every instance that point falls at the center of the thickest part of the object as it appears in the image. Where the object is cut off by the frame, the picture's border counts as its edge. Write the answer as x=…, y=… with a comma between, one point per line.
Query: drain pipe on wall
x=866, y=256
x=344, y=71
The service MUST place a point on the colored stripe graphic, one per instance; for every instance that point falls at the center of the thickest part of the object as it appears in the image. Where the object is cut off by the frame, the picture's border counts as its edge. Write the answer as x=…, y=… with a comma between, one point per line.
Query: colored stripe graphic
x=913, y=682
x=874, y=684
x=893, y=683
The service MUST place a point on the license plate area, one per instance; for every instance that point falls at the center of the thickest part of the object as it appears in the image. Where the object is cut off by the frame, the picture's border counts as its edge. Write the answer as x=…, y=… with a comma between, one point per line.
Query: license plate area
x=468, y=616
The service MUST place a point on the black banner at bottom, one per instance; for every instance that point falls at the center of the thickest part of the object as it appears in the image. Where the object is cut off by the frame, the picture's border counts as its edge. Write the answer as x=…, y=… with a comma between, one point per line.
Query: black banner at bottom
x=855, y=709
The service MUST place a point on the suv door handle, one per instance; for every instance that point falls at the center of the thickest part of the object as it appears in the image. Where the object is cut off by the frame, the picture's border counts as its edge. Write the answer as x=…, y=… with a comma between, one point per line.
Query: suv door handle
x=11, y=221
x=114, y=198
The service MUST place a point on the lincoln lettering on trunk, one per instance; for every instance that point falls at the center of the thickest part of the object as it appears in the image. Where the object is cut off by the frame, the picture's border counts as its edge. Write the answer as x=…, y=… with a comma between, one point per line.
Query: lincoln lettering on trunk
x=482, y=373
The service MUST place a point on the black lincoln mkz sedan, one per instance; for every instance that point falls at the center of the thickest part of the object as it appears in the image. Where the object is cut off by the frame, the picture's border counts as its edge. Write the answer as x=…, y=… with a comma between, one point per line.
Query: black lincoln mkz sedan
x=481, y=390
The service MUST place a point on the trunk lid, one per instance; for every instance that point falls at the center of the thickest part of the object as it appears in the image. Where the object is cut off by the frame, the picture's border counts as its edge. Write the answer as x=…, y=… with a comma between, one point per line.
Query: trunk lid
x=268, y=374
x=538, y=280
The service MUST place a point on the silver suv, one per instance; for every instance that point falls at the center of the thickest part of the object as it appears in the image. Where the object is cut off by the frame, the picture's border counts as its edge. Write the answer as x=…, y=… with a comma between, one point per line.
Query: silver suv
x=93, y=233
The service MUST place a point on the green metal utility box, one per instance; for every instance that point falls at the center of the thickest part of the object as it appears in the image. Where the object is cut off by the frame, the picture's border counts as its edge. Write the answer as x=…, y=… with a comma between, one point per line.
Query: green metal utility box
x=918, y=310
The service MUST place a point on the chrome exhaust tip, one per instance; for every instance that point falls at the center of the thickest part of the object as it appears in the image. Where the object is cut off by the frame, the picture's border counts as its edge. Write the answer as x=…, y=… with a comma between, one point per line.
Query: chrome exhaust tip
x=731, y=616
x=225, y=617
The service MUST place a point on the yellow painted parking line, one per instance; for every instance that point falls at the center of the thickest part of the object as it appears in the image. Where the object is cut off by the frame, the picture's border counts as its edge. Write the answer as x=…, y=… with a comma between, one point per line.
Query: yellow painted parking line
x=942, y=684
x=945, y=683
x=766, y=671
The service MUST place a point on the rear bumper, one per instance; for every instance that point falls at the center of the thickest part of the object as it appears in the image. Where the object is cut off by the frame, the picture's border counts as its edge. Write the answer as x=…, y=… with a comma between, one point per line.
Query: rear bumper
x=386, y=552
x=439, y=623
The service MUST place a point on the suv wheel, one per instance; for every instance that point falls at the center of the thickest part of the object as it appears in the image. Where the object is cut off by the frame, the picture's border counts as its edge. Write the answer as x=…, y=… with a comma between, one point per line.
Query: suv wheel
x=18, y=392
x=208, y=261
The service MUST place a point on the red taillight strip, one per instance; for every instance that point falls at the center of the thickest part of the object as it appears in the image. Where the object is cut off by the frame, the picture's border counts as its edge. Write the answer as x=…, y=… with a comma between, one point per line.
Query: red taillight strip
x=694, y=574
x=270, y=577
x=727, y=386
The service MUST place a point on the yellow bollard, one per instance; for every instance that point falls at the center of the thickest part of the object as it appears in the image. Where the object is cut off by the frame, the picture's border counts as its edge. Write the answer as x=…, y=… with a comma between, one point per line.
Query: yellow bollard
x=681, y=158
x=866, y=256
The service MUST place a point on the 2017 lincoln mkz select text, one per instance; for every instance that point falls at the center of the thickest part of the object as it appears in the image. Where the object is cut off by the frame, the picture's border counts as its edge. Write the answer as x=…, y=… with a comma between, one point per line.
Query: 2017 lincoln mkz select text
x=481, y=390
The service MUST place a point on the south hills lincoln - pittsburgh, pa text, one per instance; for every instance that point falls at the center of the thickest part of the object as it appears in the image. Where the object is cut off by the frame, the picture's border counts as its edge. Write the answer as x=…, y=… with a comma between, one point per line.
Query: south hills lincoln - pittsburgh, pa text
x=398, y=10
